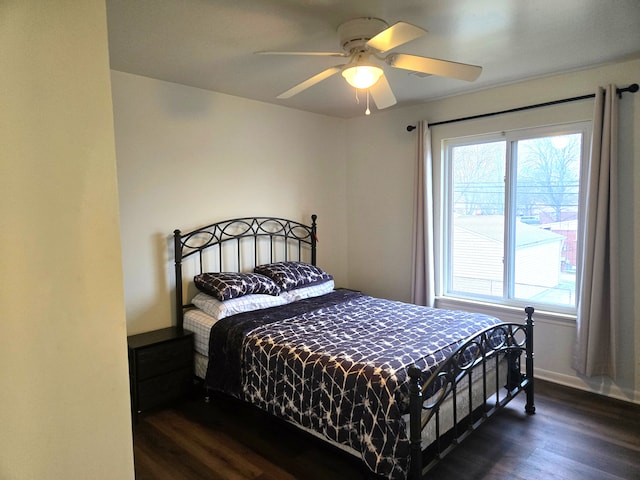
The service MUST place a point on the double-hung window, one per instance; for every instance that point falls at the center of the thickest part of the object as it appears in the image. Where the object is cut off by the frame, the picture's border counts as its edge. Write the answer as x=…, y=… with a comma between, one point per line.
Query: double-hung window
x=513, y=214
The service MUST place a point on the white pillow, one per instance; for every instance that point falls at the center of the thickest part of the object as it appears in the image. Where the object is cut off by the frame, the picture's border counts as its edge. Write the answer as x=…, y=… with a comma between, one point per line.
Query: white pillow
x=308, y=292
x=219, y=310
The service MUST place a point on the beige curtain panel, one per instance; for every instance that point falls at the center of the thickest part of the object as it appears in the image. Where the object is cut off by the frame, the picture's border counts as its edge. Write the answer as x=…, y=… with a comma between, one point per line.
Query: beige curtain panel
x=597, y=323
x=423, y=276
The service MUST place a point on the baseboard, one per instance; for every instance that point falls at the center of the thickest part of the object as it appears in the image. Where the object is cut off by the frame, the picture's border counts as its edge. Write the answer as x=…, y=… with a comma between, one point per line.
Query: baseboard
x=599, y=385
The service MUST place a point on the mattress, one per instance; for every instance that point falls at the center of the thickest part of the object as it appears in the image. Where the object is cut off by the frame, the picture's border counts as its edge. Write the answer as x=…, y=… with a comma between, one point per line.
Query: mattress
x=200, y=323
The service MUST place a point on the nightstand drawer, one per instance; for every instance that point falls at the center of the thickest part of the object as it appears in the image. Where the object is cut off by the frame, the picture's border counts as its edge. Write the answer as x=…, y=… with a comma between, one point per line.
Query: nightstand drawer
x=164, y=388
x=158, y=359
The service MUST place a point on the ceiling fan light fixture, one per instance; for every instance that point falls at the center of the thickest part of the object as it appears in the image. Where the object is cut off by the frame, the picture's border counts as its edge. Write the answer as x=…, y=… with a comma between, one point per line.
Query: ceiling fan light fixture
x=362, y=76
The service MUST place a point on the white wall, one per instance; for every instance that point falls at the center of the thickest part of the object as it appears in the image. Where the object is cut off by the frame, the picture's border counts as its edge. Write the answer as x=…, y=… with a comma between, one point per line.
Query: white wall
x=64, y=401
x=381, y=161
x=189, y=157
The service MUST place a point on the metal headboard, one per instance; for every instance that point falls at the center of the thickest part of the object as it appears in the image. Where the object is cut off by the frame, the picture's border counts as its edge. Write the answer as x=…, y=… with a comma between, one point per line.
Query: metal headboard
x=269, y=239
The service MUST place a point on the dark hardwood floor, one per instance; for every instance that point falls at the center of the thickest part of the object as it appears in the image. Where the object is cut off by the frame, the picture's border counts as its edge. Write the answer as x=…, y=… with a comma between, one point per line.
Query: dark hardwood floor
x=573, y=435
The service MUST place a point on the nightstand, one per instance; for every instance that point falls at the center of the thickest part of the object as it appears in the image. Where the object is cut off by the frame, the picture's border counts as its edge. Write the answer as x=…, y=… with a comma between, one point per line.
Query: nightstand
x=160, y=367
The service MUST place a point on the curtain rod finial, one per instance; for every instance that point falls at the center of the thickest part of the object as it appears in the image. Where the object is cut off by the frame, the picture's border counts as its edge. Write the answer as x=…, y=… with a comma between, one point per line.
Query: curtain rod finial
x=411, y=128
x=633, y=88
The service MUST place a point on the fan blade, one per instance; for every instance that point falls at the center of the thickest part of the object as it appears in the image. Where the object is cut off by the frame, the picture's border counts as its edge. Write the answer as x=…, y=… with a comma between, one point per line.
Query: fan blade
x=382, y=93
x=311, y=81
x=315, y=54
x=396, y=35
x=434, y=66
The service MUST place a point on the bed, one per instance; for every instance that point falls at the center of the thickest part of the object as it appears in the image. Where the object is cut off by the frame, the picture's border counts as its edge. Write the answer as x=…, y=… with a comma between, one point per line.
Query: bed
x=397, y=385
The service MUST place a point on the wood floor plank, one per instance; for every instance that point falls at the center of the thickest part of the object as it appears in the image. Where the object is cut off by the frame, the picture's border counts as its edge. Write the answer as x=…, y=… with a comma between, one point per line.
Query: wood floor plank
x=573, y=436
x=216, y=450
x=549, y=464
x=158, y=457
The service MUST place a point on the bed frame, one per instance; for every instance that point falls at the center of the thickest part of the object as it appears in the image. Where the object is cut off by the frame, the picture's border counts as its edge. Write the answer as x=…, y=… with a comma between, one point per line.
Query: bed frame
x=475, y=353
x=272, y=239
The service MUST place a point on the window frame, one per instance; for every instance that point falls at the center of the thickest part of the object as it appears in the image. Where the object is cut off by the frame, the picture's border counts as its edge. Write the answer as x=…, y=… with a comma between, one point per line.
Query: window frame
x=511, y=139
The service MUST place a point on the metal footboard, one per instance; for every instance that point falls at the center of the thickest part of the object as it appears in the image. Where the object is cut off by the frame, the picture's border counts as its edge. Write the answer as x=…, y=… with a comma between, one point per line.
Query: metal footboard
x=478, y=354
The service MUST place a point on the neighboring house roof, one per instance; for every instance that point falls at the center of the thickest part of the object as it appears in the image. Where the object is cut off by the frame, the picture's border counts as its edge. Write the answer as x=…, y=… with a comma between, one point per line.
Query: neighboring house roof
x=491, y=227
x=566, y=225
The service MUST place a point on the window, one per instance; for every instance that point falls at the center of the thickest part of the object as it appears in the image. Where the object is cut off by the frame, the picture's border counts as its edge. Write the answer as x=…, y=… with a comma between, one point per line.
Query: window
x=513, y=216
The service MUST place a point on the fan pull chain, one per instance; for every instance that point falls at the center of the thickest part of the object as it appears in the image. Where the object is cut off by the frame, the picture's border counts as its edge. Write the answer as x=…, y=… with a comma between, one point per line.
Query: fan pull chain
x=367, y=111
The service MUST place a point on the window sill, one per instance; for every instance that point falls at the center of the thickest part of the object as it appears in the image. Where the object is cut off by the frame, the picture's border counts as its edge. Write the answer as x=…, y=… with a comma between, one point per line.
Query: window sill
x=506, y=313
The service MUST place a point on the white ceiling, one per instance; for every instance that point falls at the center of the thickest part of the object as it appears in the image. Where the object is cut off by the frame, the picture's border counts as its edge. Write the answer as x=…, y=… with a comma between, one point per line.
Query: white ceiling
x=210, y=44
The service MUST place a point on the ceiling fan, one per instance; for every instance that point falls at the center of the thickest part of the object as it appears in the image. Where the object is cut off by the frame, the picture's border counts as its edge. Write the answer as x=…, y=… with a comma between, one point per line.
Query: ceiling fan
x=365, y=40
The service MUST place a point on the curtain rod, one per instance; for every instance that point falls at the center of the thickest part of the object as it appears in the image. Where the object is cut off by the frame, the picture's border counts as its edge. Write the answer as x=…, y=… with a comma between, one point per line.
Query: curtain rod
x=631, y=88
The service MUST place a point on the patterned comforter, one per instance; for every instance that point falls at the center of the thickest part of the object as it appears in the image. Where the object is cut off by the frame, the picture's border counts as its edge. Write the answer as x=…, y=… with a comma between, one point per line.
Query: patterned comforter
x=337, y=364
